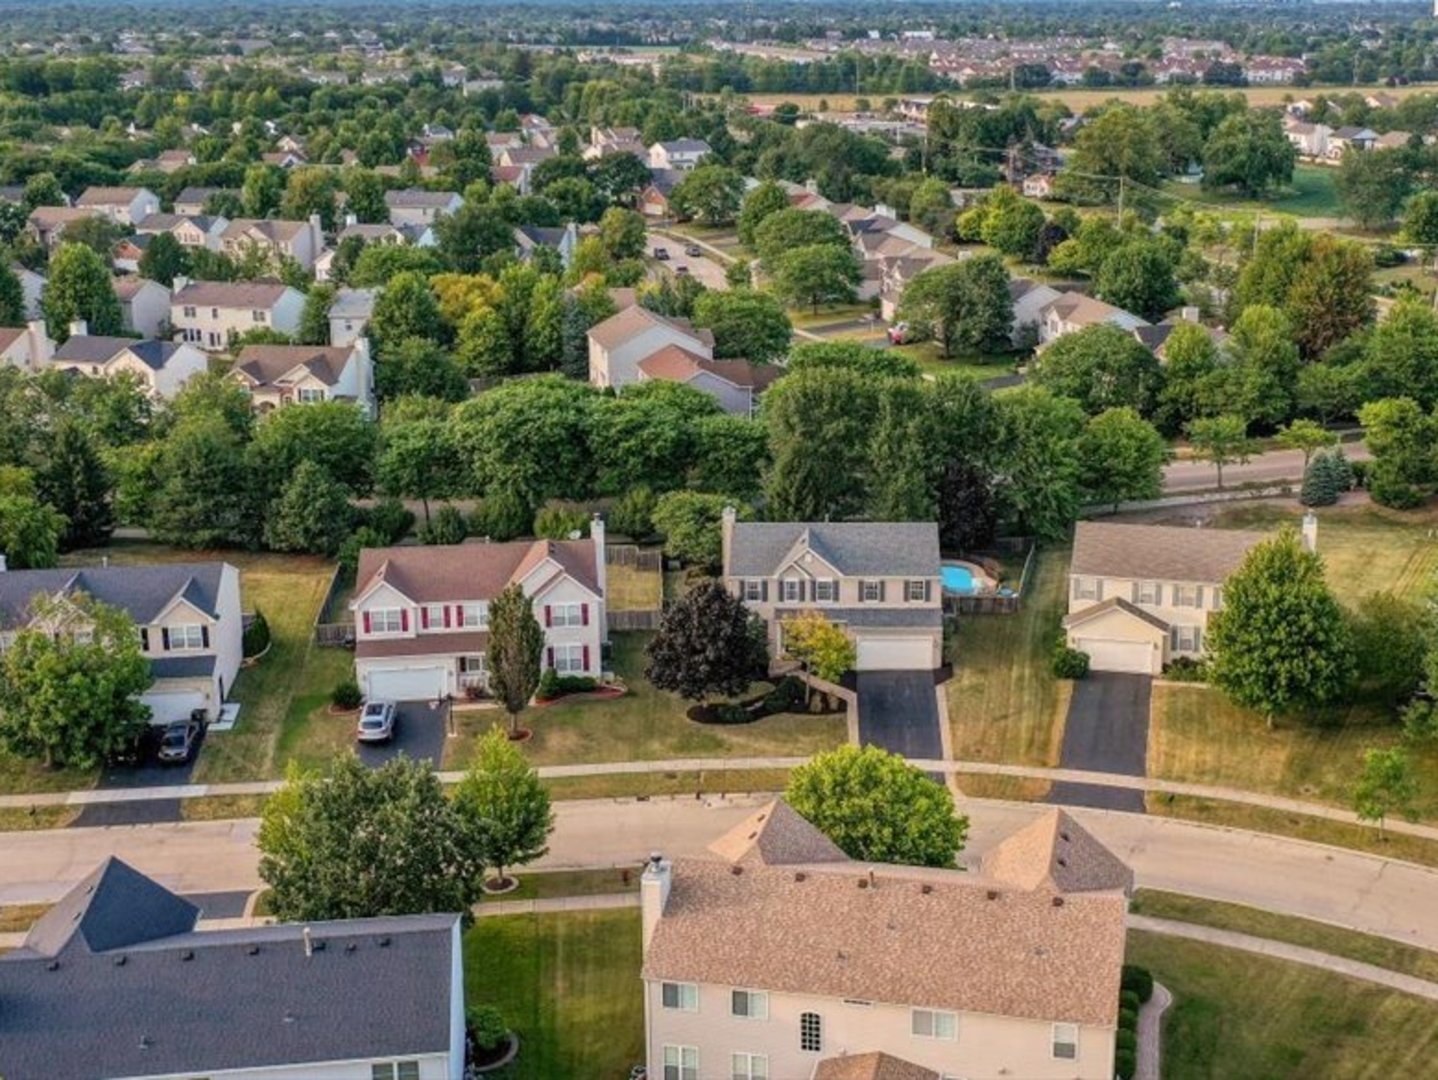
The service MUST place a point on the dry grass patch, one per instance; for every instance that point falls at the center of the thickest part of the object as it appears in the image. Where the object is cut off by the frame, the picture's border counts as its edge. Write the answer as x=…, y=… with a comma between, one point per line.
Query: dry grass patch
x=17, y=918
x=627, y=588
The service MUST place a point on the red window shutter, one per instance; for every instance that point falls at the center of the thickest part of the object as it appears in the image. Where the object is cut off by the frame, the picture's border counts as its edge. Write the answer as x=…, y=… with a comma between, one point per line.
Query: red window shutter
x=548, y=618
x=584, y=620
x=586, y=658
x=446, y=616
x=366, y=622
x=404, y=618
x=424, y=618
x=549, y=656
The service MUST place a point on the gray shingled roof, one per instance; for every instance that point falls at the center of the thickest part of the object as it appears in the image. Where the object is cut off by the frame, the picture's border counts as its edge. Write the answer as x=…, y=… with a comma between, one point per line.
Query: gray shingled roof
x=1159, y=552
x=198, y=1002
x=890, y=549
x=141, y=591
x=353, y=303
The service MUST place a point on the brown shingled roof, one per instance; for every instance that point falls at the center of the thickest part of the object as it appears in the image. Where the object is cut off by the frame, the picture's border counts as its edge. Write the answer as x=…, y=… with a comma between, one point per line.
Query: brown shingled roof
x=871, y=1066
x=460, y=572
x=1084, y=614
x=623, y=325
x=1159, y=552
x=777, y=835
x=231, y=294
x=267, y=363
x=1059, y=854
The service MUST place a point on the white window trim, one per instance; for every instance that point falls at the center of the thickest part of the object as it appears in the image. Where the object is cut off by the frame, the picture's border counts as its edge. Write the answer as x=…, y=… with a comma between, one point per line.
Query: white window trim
x=935, y=1016
x=474, y=616
x=1055, y=1041
x=179, y=637
x=913, y=591
x=567, y=614
x=742, y=1065
x=1187, y=596
x=569, y=659
x=375, y=615
x=753, y=590
x=1085, y=588
x=871, y=592
x=1149, y=592
x=434, y=616
x=681, y=1070
x=785, y=585
x=682, y=990
x=481, y=666
x=761, y=997
x=826, y=585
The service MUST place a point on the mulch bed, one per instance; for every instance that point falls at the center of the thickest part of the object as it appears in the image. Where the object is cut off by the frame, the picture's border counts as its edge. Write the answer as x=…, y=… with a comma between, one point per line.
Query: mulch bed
x=606, y=693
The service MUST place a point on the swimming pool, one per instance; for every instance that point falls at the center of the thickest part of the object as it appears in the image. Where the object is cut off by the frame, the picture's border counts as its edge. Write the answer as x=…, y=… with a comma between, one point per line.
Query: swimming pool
x=958, y=580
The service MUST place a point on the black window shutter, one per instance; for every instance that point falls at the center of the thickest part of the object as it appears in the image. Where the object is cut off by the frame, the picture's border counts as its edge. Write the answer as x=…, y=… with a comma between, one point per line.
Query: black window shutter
x=764, y=589
x=145, y=638
x=928, y=587
x=862, y=586
x=165, y=638
x=882, y=590
x=205, y=636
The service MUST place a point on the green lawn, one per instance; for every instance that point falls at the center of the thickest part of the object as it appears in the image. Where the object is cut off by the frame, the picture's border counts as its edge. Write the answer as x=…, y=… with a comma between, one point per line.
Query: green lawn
x=1238, y=1015
x=647, y=725
x=1312, y=194
x=1004, y=702
x=628, y=588
x=567, y=984
x=981, y=366
x=1368, y=948
x=555, y=884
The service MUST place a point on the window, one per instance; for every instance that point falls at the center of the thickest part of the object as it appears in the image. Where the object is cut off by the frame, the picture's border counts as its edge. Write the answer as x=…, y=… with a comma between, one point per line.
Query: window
x=308, y=395
x=189, y=313
x=753, y=590
x=749, y=1004
x=1066, y=1041
x=259, y=316
x=681, y=1063
x=746, y=1066
x=1186, y=638
x=566, y=615
x=826, y=591
x=914, y=590
x=1086, y=588
x=395, y=1070
x=471, y=665
x=791, y=591
x=871, y=590
x=1185, y=596
x=681, y=996
x=1217, y=597
x=187, y=637
x=933, y=1024
x=385, y=621
x=474, y=614
x=811, y=1032
x=569, y=659
x=194, y=336
x=1148, y=592
x=434, y=616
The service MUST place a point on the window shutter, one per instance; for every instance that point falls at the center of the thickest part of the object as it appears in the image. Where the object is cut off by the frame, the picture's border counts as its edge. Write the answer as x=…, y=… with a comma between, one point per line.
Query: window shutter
x=145, y=638
x=1098, y=589
x=1175, y=594
x=861, y=591
x=1133, y=591
x=446, y=616
x=165, y=638
x=764, y=589
x=1199, y=602
x=549, y=656
x=928, y=590
x=882, y=589
x=549, y=621
x=366, y=622
x=424, y=618
x=586, y=658
x=204, y=636
x=1198, y=639
x=1173, y=637
x=584, y=621
x=404, y=619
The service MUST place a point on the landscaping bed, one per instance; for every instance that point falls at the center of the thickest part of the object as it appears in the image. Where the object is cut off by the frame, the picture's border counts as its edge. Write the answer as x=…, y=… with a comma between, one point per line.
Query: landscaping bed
x=788, y=696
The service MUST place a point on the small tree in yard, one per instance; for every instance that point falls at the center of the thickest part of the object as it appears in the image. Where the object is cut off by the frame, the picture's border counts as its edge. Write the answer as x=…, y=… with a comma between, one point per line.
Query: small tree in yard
x=68, y=700
x=1221, y=440
x=1325, y=479
x=1281, y=641
x=820, y=645
x=1309, y=436
x=878, y=808
x=707, y=645
x=504, y=806
x=1386, y=785
x=355, y=842
x=516, y=644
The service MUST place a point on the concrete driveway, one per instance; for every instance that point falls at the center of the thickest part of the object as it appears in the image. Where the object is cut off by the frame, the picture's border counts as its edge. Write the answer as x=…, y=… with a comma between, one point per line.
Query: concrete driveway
x=899, y=712
x=151, y=774
x=419, y=733
x=1107, y=731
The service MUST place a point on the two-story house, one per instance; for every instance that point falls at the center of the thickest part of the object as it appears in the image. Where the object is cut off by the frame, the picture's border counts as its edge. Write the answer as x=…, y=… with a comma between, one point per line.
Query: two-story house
x=123, y=978
x=210, y=314
x=301, y=241
x=47, y=223
x=192, y=200
x=191, y=230
x=1141, y=595
x=681, y=155
x=278, y=375
x=122, y=205
x=415, y=206
x=879, y=580
x=422, y=613
x=161, y=367
x=563, y=239
x=350, y=314
x=775, y=956
x=144, y=305
x=26, y=347
x=1073, y=311
x=187, y=614
x=736, y=384
x=619, y=343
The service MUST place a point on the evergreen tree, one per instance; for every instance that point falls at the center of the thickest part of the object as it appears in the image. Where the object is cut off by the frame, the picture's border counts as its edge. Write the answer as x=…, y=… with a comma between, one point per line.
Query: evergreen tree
x=76, y=482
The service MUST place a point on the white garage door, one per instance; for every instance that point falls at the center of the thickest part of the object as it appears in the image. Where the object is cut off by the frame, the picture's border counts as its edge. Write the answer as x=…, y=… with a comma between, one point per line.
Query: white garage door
x=405, y=684
x=895, y=654
x=176, y=705
x=1134, y=657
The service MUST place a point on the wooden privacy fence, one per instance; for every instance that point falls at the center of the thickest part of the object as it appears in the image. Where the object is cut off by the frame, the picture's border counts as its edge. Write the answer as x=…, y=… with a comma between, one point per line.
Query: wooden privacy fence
x=622, y=621
x=331, y=630
x=649, y=560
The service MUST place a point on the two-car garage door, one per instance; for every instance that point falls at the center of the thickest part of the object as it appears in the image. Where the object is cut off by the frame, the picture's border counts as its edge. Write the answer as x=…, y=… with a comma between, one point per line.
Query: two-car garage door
x=405, y=684
x=894, y=653
x=1106, y=654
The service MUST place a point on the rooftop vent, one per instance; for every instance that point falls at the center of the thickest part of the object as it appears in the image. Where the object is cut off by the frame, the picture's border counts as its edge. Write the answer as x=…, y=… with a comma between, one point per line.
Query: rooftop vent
x=926, y=889
x=253, y=950
x=801, y=876
x=120, y=961
x=383, y=942
x=1064, y=837
x=188, y=954
x=53, y=965
x=1058, y=901
x=736, y=870
x=993, y=894
x=863, y=883
x=146, y=1042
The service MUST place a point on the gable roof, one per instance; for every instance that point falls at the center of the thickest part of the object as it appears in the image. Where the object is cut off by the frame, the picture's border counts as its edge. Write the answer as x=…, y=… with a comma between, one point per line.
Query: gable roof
x=633, y=321
x=881, y=549
x=1112, y=603
x=232, y=294
x=267, y=364
x=109, y=196
x=871, y=1066
x=1159, y=552
x=1083, y=310
x=97, y=349
x=417, y=198
x=142, y=591
x=1055, y=852
x=274, y=230
x=128, y=287
x=459, y=572
x=776, y=835
x=138, y=991
x=201, y=194
x=674, y=363
x=353, y=303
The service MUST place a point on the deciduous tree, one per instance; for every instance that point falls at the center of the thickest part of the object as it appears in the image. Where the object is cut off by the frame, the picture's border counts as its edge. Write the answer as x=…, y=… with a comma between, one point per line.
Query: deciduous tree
x=80, y=288
x=1222, y=440
x=709, y=644
x=516, y=648
x=1101, y=367
x=1386, y=786
x=503, y=806
x=965, y=305
x=1121, y=457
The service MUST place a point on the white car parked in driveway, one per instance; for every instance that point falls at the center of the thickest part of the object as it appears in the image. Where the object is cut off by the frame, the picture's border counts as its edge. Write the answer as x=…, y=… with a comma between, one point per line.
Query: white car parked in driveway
x=376, y=722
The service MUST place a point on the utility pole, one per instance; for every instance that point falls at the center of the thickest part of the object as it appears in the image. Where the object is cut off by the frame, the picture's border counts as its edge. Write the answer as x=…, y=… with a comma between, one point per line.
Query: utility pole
x=1120, y=200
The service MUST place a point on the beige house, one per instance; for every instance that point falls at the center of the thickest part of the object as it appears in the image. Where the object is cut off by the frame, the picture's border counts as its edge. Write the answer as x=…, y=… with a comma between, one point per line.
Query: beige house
x=1141, y=596
x=1073, y=311
x=278, y=375
x=622, y=341
x=161, y=367
x=350, y=314
x=144, y=305
x=191, y=230
x=47, y=223
x=778, y=957
x=211, y=314
x=122, y=205
x=299, y=240
x=417, y=207
x=879, y=580
x=26, y=347
x=681, y=155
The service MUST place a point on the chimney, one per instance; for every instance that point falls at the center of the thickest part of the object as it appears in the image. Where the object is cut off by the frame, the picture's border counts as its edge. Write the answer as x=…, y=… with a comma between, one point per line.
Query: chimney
x=654, y=893
x=79, y=328
x=309, y=942
x=1189, y=313
x=350, y=219
x=1310, y=531
x=726, y=527
x=38, y=344
x=601, y=570
x=4, y=565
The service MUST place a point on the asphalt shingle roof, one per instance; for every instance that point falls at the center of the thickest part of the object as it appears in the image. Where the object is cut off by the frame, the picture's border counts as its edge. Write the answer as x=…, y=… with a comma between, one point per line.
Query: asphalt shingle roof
x=141, y=591
x=1159, y=552
x=888, y=549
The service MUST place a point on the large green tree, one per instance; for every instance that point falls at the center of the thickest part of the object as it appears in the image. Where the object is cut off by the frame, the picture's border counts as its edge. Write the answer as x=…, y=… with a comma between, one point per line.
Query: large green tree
x=164, y=259
x=1222, y=440
x=529, y=437
x=1138, y=277
x=819, y=424
x=747, y=324
x=80, y=288
x=503, y=806
x=710, y=194
x=816, y=274
x=75, y=480
x=1248, y=151
x=768, y=198
x=1101, y=367
x=1121, y=456
x=1036, y=454
x=966, y=305
x=1373, y=185
x=311, y=514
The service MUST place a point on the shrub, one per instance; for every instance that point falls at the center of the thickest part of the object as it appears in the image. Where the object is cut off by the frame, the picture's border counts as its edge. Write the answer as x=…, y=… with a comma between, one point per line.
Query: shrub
x=1129, y=999
x=390, y=519
x=1420, y=721
x=1126, y=1040
x=548, y=685
x=1069, y=663
x=486, y=1026
x=1125, y=1064
x=633, y=514
x=1327, y=478
x=787, y=696
x=1127, y=1019
x=446, y=527
x=502, y=516
x=557, y=523
x=1387, y=256
x=1391, y=490
x=577, y=684
x=1187, y=669
x=1358, y=470
x=257, y=635
x=346, y=695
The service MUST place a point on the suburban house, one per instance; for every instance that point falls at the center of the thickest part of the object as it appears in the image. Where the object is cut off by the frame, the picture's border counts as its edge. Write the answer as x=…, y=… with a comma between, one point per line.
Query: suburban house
x=1310, y=140
x=654, y=199
x=563, y=239
x=1350, y=138
x=191, y=201
x=279, y=375
x=162, y=367
x=122, y=205
x=47, y=223
x=415, y=206
x=144, y=305
x=26, y=347
x=350, y=314
x=211, y=313
x=191, y=230
x=896, y=271
x=1073, y=311
x=678, y=154
x=422, y=613
x=301, y=241
x=121, y=978
x=604, y=141
x=394, y=235
x=775, y=955
x=619, y=343
x=736, y=384
x=1030, y=299
x=188, y=615
x=125, y=256
x=1140, y=596
x=285, y=159
x=879, y=580
x=32, y=288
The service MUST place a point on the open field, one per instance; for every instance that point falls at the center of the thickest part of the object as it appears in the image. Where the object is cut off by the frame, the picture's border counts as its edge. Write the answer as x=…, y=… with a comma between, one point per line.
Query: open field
x=1236, y=1014
x=1312, y=194
x=1004, y=702
x=567, y=984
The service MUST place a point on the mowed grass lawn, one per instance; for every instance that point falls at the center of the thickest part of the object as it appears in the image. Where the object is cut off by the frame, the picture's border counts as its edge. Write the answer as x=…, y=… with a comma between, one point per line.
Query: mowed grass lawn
x=1313, y=193
x=980, y=366
x=647, y=724
x=568, y=984
x=1004, y=702
x=1236, y=1015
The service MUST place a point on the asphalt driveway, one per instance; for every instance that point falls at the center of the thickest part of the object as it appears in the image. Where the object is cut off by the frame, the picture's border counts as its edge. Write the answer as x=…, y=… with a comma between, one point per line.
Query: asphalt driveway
x=419, y=733
x=899, y=712
x=1107, y=731
x=152, y=774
